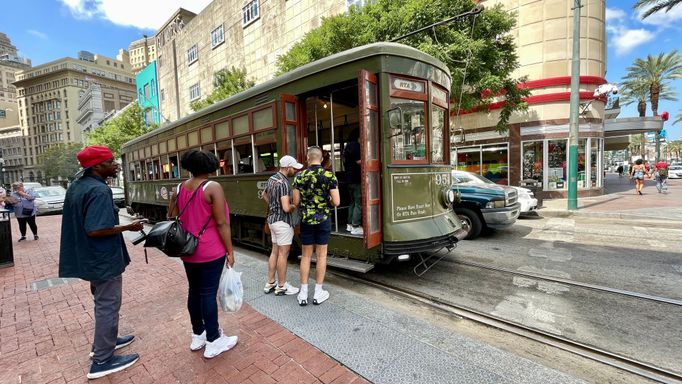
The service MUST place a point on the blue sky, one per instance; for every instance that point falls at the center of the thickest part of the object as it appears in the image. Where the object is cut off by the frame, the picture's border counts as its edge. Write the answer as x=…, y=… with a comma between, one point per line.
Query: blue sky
x=59, y=28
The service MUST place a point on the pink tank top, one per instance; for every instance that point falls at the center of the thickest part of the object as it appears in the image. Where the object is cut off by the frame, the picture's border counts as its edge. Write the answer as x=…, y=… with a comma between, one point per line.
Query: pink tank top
x=210, y=246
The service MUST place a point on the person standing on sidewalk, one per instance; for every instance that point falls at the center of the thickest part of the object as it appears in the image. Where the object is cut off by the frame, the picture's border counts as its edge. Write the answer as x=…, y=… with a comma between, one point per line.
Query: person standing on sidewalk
x=351, y=163
x=637, y=172
x=206, y=216
x=316, y=190
x=24, y=209
x=92, y=248
x=280, y=207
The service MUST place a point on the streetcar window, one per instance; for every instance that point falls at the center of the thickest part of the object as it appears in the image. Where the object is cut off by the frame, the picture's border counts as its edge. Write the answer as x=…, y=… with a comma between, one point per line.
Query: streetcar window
x=131, y=169
x=174, y=169
x=267, y=157
x=438, y=119
x=244, y=154
x=165, y=167
x=263, y=119
x=157, y=168
x=408, y=137
x=225, y=156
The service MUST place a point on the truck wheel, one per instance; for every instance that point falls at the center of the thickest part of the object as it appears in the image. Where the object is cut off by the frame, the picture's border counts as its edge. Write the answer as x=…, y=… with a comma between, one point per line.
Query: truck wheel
x=471, y=223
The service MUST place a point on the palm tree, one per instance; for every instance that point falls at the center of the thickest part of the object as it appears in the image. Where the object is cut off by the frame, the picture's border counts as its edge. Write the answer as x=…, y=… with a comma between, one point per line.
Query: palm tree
x=636, y=91
x=678, y=118
x=656, y=6
x=656, y=72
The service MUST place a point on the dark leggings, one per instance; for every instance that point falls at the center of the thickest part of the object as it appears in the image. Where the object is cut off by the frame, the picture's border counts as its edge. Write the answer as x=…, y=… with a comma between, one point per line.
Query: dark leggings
x=31, y=220
x=203, y=281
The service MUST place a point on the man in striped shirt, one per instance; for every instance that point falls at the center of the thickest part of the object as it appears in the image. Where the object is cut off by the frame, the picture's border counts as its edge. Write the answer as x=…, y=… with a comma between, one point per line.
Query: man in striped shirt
x=280, y=207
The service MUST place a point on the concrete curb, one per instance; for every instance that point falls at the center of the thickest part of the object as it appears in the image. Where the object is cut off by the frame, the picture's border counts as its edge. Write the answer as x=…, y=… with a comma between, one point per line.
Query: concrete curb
x=612, y=215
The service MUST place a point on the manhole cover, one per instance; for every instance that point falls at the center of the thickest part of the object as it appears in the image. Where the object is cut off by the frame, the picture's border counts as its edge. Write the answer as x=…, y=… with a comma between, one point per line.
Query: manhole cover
x=53, y=282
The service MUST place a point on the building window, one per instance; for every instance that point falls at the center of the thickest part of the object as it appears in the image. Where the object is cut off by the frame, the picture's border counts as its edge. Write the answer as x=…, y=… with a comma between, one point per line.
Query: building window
x=217, y=36
x=192, y=54
x=146, y=91
x=163, y=94
x=194, y=92
x=250, y=12
x=153, y=87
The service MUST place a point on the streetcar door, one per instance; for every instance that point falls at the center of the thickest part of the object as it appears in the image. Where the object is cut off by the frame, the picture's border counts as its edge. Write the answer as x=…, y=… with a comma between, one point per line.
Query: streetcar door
x=290, y=127
x=368, y=110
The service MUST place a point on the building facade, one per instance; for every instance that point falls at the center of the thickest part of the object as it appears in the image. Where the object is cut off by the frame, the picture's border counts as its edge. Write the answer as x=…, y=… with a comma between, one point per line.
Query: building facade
x=191, y=48
x=535, y=146
x=97, y=101
x=141, y=52
x=148, y=94
x=12, y=154
x=48, y=98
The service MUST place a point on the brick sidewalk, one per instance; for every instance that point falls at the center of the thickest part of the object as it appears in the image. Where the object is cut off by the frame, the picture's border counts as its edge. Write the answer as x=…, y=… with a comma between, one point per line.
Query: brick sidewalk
x=45, y=335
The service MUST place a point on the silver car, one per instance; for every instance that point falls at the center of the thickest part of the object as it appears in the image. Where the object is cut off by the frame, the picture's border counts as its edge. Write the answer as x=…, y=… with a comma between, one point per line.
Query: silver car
x=49, y=199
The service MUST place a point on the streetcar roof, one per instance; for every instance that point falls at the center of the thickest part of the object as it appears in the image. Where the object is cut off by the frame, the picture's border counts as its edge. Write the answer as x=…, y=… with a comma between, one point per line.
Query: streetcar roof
x=337, y=59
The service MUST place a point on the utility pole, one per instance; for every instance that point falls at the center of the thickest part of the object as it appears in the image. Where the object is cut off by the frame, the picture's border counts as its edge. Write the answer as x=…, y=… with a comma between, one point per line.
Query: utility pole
x=573, y=117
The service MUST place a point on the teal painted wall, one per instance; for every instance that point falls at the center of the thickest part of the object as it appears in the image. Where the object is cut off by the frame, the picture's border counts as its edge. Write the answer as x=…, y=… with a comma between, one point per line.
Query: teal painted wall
x=148, y=94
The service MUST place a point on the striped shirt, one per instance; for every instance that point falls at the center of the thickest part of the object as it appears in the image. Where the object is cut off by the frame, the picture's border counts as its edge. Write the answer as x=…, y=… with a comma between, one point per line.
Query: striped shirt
x=278, y=186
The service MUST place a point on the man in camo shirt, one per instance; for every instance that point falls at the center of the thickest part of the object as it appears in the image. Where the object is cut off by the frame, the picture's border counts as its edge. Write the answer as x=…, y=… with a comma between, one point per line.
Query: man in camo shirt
x=316, y=191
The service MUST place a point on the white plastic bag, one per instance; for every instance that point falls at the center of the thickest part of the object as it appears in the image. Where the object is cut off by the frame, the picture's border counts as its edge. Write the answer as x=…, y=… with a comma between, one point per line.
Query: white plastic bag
x=230, y=290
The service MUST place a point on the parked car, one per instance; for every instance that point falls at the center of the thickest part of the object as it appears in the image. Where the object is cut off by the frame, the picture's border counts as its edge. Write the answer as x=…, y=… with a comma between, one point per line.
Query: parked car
x=675, y=172
x=119, y=196
x=49, y=199
x=31, y=185
x=525, y=196
x=480, y=206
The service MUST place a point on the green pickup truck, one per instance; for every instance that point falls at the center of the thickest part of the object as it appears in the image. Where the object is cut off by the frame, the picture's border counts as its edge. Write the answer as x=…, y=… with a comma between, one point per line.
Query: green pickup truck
x=481, y=206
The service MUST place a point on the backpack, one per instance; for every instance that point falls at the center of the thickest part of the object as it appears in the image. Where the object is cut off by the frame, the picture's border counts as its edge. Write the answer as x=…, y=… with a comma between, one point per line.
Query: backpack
x=663, y=172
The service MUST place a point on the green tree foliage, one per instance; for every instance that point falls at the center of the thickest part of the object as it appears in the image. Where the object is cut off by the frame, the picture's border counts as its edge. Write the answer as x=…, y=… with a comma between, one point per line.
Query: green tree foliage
x=60, y=161
x=128, y=125
x=480, y=61
x=226, y=83
x=654, y=6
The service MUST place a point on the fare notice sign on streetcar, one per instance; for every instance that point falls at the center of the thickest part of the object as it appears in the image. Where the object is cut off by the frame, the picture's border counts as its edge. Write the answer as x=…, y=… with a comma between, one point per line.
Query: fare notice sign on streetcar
x=411, y=196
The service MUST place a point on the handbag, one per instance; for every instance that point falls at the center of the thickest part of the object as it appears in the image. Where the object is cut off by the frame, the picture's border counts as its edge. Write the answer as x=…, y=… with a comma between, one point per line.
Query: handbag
x=171, y=238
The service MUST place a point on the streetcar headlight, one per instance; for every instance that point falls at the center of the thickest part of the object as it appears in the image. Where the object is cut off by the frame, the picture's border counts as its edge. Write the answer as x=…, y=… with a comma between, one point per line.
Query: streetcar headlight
x=448, y=197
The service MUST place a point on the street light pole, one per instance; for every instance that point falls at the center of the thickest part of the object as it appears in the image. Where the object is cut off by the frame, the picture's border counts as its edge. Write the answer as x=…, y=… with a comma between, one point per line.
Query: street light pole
x=574, y=106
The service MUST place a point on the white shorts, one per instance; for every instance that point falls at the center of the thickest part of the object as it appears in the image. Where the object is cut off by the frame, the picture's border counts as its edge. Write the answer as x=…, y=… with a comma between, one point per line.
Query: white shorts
x=281, y=233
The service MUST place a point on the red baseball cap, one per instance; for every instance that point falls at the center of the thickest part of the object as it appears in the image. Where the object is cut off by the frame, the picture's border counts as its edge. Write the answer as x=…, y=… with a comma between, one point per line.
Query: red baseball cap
x=93, y=155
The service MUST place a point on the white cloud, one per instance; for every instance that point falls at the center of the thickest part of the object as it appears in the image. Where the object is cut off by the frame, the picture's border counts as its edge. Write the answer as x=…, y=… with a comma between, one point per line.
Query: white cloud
x=143, y=14
x=614, y=14
x=628, y=39
x=37, y=34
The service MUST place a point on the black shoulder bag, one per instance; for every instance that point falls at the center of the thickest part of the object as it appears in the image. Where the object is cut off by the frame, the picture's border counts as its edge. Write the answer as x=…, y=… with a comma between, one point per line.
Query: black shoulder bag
x=169, y=236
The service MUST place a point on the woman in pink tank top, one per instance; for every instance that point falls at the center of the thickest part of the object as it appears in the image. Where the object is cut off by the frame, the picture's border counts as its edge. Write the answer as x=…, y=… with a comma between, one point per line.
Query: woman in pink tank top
x=206, y=216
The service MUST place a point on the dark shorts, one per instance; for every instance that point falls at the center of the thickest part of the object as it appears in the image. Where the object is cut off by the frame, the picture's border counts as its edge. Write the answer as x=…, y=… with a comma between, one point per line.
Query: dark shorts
x=316, y=233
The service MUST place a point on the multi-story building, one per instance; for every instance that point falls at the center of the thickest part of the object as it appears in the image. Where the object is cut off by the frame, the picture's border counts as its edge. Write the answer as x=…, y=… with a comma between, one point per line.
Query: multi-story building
x=191, y=48
x=98, y=100
x=48, y=98
x=142, y=52
x=148, y=94
x=11, y=153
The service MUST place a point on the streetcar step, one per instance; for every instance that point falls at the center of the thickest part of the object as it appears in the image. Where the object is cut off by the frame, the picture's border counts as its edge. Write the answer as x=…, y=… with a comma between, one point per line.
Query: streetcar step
x=351, y=265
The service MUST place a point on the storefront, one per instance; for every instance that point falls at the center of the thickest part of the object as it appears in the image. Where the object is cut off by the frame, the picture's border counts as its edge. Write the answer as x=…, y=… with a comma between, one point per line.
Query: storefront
x=491, y=161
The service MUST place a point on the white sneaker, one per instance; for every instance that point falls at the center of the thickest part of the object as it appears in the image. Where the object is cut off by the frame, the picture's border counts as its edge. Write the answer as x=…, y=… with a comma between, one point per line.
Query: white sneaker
x=198, y=341
x=302, y=298
x=357, y=231
x=219, y=345
x=349, y=227
x=320, y=297
x=287, y=289
x=270, y=287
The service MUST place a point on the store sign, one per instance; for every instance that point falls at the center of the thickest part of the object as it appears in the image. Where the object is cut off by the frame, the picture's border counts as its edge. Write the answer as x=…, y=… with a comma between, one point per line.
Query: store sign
x=408, y=85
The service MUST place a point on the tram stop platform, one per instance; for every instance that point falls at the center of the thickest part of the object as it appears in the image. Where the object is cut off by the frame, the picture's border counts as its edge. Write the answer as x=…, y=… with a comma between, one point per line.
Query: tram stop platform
x=620, y=201
x=46, y=329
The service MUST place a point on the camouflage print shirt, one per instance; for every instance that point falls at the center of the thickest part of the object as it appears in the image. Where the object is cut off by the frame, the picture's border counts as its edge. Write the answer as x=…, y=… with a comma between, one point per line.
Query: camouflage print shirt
x=314, y=184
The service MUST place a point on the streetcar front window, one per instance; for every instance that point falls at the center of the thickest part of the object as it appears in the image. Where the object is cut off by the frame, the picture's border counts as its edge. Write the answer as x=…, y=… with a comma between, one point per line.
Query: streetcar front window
x=438, y=120
x=408, y=136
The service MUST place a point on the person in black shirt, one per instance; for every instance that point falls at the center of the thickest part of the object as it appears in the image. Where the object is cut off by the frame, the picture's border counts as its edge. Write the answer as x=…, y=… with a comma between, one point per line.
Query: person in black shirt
x=351, y=163
x=280, y=207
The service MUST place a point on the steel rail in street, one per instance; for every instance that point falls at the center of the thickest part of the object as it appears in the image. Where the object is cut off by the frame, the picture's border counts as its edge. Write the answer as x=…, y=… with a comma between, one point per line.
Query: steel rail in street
x=595, y=287
x=624, y=363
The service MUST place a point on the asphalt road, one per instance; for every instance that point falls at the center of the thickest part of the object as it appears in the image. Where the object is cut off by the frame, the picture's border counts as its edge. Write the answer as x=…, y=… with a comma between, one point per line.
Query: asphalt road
x=642, y=257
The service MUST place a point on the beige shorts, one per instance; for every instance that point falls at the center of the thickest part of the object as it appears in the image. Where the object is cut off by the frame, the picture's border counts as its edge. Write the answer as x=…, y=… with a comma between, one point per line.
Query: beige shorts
x=281, y=233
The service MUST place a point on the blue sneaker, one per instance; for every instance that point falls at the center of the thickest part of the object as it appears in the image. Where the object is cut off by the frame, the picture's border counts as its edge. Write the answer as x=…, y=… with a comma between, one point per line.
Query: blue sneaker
x=121, y=342
x=115, y=364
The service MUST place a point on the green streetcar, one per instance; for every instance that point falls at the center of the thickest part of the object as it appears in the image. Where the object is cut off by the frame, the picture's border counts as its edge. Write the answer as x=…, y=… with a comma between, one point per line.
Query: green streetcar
x=398, y=99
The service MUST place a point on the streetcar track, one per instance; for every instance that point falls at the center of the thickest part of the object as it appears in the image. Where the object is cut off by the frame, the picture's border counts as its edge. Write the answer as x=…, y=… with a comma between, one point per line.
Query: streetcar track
x=595, y=287
x=631, y=365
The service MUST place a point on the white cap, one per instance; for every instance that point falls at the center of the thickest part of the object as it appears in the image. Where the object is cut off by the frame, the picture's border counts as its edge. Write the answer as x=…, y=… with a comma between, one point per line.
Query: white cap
x=288, y=161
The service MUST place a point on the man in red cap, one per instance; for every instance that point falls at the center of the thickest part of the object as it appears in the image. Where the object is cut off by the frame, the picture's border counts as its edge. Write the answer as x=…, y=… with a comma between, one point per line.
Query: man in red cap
x=92, y=248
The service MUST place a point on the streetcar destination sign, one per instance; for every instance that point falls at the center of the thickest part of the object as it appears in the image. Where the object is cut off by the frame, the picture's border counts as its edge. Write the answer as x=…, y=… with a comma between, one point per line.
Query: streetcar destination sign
x=408, y=85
